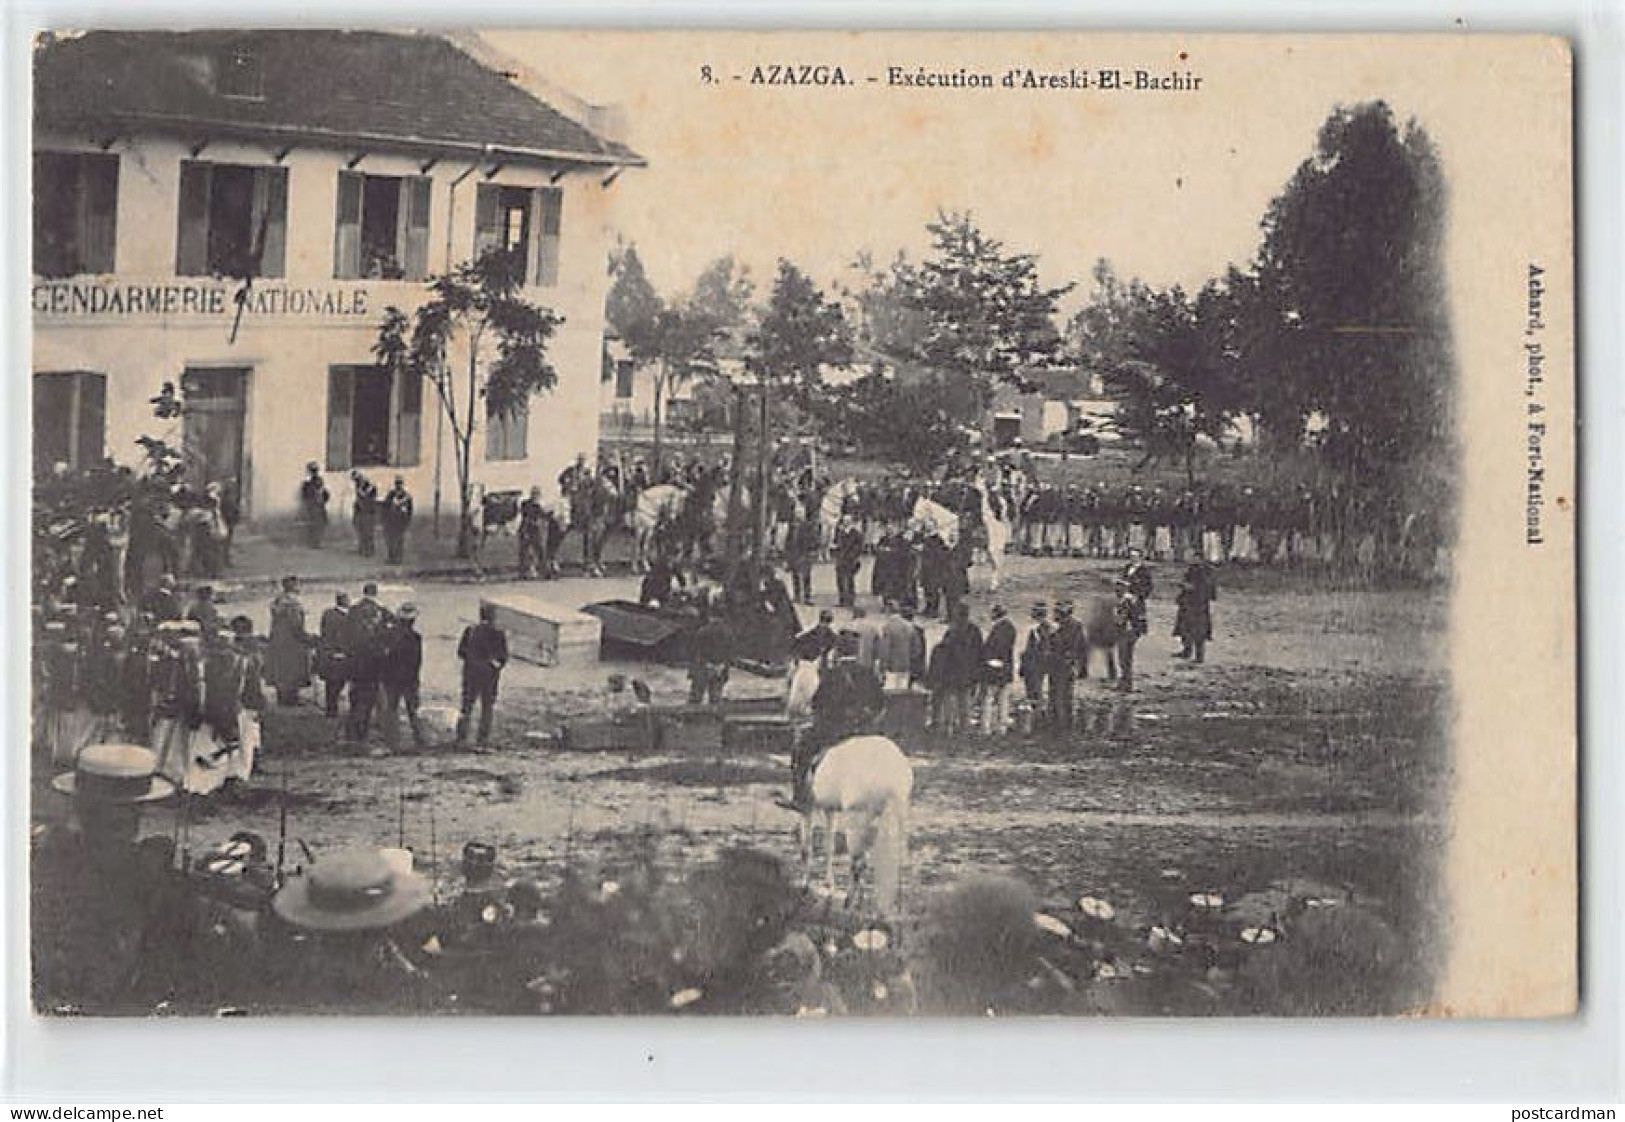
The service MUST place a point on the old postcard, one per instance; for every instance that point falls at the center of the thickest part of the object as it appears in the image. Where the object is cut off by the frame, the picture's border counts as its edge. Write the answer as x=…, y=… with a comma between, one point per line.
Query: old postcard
x=802, y=524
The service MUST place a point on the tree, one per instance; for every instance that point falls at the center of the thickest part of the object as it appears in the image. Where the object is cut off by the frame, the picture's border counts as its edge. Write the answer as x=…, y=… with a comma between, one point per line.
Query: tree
x=984, y=316
x=724, y=291
x=506, y=337
x=800, y=332
x=631, y=299
x=678, y=342
x=1352, y=248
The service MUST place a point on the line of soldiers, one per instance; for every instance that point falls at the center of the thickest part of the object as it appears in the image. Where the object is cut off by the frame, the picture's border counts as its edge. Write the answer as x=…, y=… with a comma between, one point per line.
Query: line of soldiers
x=1220, y=524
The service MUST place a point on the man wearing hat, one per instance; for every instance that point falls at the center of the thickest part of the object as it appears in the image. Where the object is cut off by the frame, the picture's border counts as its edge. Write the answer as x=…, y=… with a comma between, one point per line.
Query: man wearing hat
x=998, y=670
x=400, y=676
x=106, y=911
x=364, y=633
x=848, y=551
x=484, y=651
x=313, y=498
x=1067, y=650
x=810, y=649
x=1129, y=615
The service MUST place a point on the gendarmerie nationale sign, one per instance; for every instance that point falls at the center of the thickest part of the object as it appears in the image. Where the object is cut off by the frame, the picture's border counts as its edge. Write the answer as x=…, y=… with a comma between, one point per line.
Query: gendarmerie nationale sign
x=204, y=297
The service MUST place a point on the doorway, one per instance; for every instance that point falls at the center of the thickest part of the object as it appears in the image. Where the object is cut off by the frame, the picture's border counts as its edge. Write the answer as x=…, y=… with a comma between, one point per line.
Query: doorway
x=215, y=423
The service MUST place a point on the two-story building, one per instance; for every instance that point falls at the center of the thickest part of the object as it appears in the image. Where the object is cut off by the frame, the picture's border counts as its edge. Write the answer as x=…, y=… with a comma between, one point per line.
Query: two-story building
x=233, y=211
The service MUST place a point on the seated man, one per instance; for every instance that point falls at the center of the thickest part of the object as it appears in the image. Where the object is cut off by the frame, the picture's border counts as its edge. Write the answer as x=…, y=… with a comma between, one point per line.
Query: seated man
x=848, y=702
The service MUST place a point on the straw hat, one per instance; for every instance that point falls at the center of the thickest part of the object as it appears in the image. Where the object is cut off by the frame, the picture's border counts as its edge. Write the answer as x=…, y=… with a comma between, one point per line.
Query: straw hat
x=353, y=890
x=115, y=773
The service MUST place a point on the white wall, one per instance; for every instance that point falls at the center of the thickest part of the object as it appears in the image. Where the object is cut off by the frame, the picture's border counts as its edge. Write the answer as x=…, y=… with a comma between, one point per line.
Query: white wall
x=290, y=353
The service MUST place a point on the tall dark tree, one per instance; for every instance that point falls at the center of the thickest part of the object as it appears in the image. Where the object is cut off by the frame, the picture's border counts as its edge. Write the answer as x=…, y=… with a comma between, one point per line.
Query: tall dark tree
x=631, y=299
x=679, y=344
x=480, y=302
x=1353, y=243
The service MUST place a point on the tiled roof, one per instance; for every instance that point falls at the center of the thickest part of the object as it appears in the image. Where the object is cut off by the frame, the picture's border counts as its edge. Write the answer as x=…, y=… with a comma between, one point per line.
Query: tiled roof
x=408, y=91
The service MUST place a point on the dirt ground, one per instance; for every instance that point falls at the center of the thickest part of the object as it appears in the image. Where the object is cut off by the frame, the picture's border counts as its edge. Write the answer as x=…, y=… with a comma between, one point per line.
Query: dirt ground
x=1307, y=758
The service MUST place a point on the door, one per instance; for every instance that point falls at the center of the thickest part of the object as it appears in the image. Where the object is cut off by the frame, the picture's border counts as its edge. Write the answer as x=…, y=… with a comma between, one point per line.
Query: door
x=215, y=422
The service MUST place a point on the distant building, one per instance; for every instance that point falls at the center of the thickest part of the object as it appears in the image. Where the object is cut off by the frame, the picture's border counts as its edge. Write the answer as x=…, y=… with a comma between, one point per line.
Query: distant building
x=338, y=170
x=1062, y=401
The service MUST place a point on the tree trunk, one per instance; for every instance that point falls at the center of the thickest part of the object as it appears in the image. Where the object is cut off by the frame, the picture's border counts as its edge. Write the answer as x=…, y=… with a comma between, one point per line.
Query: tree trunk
x=731, y=542
x=465, y=543
x=659, y=416
x=764, y=459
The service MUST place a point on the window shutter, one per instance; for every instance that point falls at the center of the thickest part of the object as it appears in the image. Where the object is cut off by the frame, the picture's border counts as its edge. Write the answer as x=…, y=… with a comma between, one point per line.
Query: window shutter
x=340, y=395
x=487, y=218
x=415, y=196
x=192, y=240
x=548, y=222
x=271, y=216
x=347, y=233
x=92, y=423
x=101, y=212
x=409, y=420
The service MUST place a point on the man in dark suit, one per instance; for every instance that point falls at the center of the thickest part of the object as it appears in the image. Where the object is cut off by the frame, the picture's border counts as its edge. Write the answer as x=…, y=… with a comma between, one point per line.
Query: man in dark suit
x=400, y=675
x=998, y=665
x=365, y=634
x=484, y=651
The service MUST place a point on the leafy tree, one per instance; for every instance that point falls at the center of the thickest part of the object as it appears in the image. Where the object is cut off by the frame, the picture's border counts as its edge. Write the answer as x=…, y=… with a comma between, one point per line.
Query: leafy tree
x=800, y=332
x=889, y=419
x=1352, y=246
x=480, y=302
x=631, y=299
x=983, y=315
x=678, y=342
x=724, y=292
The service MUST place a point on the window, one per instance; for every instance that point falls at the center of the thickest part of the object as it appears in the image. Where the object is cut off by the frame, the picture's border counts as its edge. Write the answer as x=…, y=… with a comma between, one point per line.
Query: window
x=239, y=73
x=233, y=220
x=525, y=221
x=507, y=435
x=624, y=376
x=383, y=227
x=75, y=212
x=70, y=419
x=373, y=420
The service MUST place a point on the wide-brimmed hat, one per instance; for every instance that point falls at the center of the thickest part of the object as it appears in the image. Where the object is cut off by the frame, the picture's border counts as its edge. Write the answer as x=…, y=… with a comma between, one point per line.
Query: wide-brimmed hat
x=352, y=890
x=115, y=773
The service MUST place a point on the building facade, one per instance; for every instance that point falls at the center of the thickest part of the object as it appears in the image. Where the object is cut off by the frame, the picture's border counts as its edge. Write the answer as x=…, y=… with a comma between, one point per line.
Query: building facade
x=233, y=212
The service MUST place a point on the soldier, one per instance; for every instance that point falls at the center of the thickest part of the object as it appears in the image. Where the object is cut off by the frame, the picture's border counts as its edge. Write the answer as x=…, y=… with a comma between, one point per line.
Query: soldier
x=400, y=675
x=313, y=498
x=163, y=602
x=287, y=663
x=364, y=513
x=176, y=676
x=934, y=561
x=397, y=519
x=332, y=657
x=484, y=651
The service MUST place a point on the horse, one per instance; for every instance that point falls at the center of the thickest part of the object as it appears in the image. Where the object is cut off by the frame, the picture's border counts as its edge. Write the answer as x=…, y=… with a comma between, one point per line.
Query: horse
x=662, y=503
x=995, y=530
x=861, y=787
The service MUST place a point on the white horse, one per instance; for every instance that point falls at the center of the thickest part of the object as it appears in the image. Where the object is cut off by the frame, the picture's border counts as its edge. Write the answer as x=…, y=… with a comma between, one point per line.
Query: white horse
x=861, y=787
x=662, y=501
